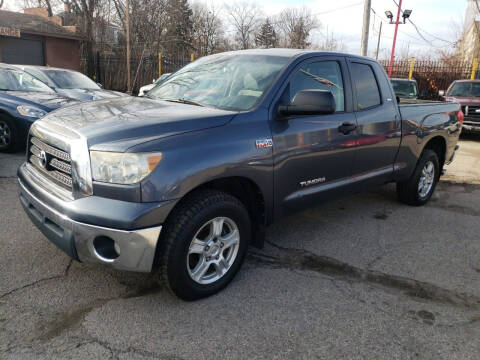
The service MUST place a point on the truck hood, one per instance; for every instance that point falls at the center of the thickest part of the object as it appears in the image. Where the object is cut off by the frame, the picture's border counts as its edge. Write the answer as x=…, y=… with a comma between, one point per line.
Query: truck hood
x=120, y=123
x=464, y=100
x=45, y=100
x=89, y=94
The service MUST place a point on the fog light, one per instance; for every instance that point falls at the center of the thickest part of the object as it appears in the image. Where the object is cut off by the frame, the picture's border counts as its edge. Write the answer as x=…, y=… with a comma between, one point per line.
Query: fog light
x=106, y=248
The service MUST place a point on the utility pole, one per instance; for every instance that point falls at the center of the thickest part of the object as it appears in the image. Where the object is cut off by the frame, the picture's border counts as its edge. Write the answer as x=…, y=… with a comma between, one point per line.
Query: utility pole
x=378, y=41
x=366, y=27
x=127, y=18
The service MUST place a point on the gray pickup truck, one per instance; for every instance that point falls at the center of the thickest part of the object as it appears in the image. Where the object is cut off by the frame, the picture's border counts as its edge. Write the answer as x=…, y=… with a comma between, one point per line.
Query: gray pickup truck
x=182, y=181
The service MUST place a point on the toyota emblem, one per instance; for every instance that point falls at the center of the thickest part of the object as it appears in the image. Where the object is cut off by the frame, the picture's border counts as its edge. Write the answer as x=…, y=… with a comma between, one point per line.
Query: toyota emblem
x=43, y=159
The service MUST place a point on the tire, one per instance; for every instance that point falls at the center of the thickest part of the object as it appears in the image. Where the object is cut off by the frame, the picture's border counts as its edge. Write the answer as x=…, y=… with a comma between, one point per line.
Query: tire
x=410, y=192
x=183, y=260
x=9, y=139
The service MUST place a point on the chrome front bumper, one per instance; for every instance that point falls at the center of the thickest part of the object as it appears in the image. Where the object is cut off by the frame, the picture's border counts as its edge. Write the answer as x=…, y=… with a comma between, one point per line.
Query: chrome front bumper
x=136, y=247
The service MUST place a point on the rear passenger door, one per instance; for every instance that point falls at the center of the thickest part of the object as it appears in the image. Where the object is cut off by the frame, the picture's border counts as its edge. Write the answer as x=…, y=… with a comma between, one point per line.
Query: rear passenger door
x=378, y=123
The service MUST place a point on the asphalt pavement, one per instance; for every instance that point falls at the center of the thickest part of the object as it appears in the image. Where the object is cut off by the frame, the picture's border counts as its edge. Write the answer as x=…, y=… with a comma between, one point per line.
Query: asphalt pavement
x=364, y=277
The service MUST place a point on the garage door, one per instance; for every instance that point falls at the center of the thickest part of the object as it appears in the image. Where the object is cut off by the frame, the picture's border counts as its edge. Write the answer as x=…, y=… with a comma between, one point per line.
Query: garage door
x=21, y=51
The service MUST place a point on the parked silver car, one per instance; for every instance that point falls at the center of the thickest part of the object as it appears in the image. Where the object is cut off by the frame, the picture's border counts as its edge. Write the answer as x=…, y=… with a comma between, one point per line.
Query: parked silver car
x=70, y=83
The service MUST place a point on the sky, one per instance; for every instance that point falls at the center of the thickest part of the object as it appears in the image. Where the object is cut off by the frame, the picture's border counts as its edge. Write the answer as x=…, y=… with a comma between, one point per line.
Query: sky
x=343, y=20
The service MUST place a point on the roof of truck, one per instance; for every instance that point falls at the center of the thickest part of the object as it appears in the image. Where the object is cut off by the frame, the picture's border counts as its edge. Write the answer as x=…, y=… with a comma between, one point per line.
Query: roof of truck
x=294, y=53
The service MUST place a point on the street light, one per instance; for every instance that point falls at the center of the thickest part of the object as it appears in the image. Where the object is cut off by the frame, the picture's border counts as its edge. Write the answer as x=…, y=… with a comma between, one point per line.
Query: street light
x=389, y=15
x=406, y=15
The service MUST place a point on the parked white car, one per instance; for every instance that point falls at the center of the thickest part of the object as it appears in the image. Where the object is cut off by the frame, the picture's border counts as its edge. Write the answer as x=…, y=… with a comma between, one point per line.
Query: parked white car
x=144, y=89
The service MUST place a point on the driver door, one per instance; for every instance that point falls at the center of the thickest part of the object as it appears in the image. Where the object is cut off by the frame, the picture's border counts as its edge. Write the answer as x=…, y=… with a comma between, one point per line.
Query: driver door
x=314, y=155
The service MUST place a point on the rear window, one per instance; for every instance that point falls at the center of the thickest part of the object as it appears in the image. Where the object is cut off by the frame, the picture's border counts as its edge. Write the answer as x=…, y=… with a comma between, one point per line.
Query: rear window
x=366, y=86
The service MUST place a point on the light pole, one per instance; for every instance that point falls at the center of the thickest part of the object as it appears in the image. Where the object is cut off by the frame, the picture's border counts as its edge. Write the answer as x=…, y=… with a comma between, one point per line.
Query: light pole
x=406, y=15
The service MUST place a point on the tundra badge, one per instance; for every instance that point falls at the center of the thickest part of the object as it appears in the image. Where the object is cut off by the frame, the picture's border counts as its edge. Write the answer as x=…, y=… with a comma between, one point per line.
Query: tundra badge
x=264, y=143
x=312, y=182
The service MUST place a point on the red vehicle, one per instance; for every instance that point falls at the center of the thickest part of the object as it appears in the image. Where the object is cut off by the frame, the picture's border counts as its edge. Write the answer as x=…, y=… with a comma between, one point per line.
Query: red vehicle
x=467, y=94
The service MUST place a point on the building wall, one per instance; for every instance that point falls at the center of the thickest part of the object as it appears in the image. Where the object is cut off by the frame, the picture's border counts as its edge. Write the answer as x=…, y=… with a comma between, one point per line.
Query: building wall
x=63, y=53
x=468, y=47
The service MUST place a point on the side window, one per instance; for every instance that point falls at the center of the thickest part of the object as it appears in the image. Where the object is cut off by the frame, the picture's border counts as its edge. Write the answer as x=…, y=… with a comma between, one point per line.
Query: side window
x=366, y=86
x=322, y=75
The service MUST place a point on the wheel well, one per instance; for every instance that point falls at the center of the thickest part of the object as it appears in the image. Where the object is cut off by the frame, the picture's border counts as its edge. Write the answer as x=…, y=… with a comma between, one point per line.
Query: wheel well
x=439, y=145
x=250, y=195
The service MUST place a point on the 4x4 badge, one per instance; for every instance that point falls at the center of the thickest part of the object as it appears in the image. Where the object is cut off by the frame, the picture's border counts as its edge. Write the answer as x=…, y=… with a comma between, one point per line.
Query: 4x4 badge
x=264, y=143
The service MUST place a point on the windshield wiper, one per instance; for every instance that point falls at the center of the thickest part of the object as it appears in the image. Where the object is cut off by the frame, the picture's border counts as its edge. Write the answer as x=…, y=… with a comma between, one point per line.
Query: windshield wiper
x=184, y=101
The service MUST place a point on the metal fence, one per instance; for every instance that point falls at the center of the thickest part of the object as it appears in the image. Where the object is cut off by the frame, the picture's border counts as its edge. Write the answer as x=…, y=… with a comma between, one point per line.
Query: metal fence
x=110, y=70
x=431, y=76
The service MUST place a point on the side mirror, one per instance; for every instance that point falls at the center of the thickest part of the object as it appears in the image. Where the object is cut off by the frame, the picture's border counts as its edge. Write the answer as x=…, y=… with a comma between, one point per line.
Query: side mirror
x=309, y=102
x=101, y=86
x=441, y=93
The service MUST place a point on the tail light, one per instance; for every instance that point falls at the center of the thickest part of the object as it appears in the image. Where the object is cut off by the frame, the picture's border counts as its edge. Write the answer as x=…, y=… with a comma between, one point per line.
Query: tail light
x=460, y=116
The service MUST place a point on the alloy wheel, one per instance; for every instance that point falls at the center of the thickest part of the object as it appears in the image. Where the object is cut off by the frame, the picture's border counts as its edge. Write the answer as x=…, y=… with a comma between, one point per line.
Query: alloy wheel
x=213, y=250
x=427, y=179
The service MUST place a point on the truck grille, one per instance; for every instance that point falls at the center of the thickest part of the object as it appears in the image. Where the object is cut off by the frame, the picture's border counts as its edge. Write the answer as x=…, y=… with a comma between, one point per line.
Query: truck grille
x=55, y=164
x=471, y=113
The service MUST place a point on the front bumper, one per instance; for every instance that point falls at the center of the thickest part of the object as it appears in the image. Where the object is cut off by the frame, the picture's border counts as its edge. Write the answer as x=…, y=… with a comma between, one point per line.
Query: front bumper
x=59, y=222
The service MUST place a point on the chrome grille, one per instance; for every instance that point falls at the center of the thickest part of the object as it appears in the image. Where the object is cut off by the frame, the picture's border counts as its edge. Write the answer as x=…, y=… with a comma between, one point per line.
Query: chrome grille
x=55, y=164
x=470, y=112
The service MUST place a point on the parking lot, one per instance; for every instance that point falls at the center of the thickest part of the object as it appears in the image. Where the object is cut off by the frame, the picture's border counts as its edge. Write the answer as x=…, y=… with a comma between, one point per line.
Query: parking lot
x=364, y=277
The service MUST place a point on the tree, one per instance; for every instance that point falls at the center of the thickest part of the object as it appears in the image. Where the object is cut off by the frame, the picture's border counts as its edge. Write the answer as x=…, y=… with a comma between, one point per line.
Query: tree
x=85, y=12
x=266, y=36
x=180, y=27
x=207, y=29
x=296, y=25
x=245, y=18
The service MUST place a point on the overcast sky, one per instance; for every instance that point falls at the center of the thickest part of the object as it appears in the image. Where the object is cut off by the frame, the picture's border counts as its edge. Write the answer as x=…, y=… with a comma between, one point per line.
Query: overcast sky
x=343, y=20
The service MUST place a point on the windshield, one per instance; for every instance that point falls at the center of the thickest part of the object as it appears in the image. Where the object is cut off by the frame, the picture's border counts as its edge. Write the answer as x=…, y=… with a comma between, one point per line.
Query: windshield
x=65, y=79
x=465, y=89
x=17, y=80
x=404, y=88
x=224, y=81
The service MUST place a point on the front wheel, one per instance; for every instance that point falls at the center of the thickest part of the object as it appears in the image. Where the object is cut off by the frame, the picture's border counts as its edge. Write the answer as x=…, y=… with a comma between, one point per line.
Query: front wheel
x=419, y=188
x=204, y=244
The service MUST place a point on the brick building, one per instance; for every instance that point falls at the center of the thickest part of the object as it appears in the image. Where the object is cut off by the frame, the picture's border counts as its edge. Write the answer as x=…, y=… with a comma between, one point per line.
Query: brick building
x=34, y=38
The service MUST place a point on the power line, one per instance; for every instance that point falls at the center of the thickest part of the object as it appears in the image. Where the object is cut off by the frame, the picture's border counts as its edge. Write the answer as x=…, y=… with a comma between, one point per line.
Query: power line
x=426, y=32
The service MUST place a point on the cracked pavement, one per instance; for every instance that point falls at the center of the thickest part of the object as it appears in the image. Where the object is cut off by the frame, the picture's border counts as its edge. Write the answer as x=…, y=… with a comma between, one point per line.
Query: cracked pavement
x=364, y=277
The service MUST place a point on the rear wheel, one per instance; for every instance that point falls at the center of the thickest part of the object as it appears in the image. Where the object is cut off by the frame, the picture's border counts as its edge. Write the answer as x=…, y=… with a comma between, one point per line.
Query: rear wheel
x=204, y=244
x=419, y=188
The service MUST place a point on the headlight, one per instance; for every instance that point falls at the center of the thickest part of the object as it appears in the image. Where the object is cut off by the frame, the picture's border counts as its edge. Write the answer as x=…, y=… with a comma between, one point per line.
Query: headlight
x=122, y=168
x=30, y=111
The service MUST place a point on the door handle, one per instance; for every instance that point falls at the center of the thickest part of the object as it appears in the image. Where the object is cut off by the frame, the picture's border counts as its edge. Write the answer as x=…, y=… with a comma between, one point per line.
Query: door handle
x=346, y=128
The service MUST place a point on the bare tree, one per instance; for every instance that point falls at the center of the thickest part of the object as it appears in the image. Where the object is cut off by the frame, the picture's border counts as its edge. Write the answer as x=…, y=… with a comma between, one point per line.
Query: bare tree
x=296, y=25
x=208, y=29
x=245, y=18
